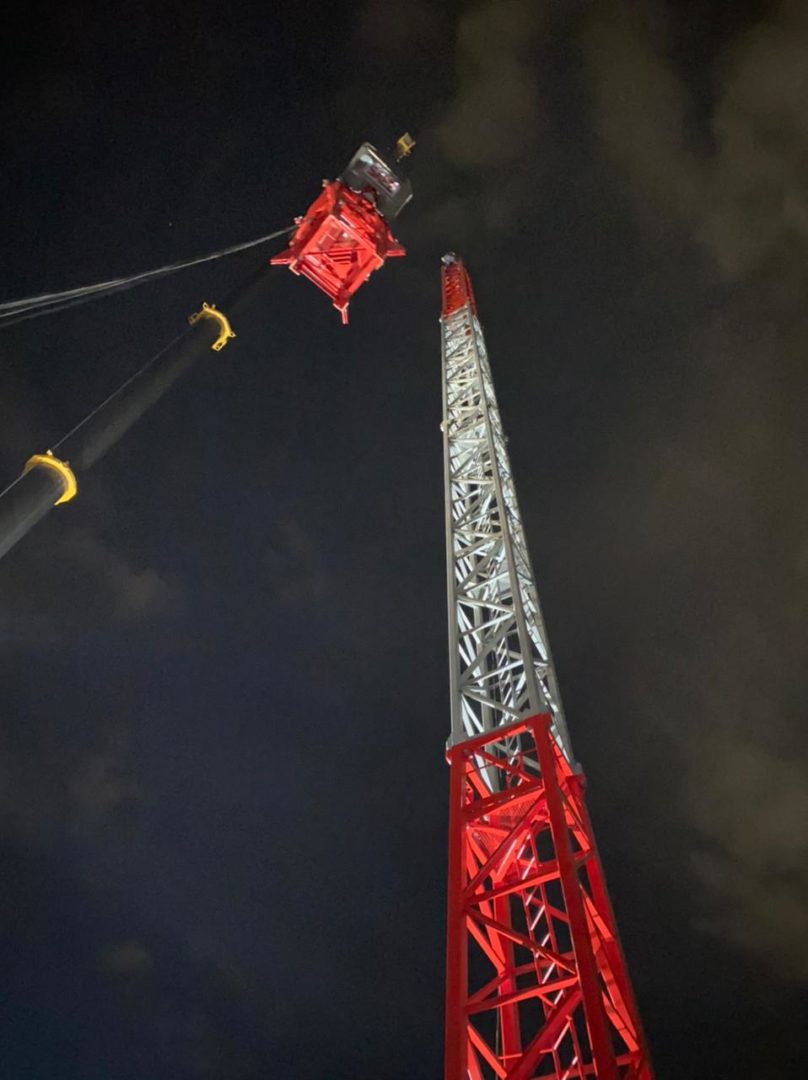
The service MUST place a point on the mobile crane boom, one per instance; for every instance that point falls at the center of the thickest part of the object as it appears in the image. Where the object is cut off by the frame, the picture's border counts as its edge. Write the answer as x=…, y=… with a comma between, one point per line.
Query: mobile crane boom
x=344, y=236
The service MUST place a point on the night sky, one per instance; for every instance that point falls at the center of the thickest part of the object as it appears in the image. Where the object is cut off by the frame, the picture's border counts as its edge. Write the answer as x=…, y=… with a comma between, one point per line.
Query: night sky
x=225, y=702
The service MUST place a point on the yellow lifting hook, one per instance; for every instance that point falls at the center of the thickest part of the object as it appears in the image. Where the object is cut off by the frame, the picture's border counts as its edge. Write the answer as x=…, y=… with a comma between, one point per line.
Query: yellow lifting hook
x=66, y=474
x=226, y=331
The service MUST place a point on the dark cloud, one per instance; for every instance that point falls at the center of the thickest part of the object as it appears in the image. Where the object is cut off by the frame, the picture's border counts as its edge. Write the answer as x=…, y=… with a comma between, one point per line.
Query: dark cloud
x=717, y=505
x=482, y=139
x=495, y=110
x=714, y=528
x=751, y=805
x=127, y=958
x=757, y=179
x=640, y=110
x=101, y=783
x=393, y=27
x=52, y=779
x=104, y=589
x=743, y=189
x=293, y=570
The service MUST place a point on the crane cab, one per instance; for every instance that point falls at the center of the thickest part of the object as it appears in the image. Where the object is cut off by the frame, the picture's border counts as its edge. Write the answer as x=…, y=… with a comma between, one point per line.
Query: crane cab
x=345, y=234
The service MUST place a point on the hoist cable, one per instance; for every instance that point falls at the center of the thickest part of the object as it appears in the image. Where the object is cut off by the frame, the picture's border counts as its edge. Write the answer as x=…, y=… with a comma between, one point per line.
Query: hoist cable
x=15, y=311
x=238, y=289
x=115, y=393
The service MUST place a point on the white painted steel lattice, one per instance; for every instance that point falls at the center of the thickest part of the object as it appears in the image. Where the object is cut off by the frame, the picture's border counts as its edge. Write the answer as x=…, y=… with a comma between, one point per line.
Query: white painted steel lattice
x=501, y=668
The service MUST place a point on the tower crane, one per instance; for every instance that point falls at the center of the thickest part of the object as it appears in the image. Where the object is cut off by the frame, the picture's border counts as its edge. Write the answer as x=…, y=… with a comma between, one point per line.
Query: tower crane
x=537, y=986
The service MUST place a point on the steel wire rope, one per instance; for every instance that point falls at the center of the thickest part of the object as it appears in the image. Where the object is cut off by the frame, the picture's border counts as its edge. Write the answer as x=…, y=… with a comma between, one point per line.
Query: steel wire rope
x=16, y=311
x=8, y=487
x=127, y=382
x=243, y=286
x=235, y=291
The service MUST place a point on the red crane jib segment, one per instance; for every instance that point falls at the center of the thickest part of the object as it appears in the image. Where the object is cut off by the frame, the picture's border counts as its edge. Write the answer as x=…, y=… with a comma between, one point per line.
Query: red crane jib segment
x=456, y=287
x=339, y=243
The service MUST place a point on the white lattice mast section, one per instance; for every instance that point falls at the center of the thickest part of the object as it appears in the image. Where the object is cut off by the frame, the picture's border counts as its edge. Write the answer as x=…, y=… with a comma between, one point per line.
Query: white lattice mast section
x=501, y=668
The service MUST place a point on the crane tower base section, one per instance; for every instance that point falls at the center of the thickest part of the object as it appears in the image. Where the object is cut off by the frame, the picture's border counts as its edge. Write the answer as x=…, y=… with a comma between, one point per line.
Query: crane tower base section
x=536, y=981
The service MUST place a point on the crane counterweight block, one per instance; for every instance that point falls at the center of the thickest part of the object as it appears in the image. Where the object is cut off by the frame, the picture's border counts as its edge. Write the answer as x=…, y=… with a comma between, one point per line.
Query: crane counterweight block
x=345, y=234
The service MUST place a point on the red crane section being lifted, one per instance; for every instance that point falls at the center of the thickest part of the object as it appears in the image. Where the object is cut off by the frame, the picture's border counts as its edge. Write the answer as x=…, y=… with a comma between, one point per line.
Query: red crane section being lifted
x=345, y=234
x=339, y=243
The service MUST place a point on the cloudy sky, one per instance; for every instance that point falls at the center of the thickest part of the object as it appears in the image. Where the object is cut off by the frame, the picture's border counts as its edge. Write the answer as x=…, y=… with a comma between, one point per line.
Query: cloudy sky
x=222, y=785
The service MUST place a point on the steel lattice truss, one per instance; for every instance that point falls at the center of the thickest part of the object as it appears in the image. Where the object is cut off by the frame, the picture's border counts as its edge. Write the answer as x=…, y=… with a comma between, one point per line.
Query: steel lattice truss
x=537, y=983
x=536, y=986
x=500, y=662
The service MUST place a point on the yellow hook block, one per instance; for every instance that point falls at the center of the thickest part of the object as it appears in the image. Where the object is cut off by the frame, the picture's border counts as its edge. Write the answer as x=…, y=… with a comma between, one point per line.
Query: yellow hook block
x=404, y=145
x=226, y=331
x=66, y=474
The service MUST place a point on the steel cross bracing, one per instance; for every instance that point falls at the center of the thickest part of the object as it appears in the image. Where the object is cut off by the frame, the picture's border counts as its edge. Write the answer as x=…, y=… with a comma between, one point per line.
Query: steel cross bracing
x=501, y=668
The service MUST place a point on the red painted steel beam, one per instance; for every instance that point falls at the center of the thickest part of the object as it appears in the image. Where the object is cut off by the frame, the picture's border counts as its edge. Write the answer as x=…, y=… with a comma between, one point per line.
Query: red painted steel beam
x=536, y=982
x=456, y=286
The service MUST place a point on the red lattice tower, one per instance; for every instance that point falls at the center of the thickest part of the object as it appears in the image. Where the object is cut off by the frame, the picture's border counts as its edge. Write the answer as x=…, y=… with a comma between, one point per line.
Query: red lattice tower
x=537, y=985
